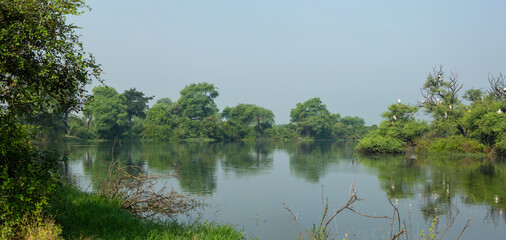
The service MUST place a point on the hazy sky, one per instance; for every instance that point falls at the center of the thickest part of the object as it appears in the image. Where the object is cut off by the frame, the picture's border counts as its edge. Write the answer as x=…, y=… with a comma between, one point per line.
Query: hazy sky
x=357, y=56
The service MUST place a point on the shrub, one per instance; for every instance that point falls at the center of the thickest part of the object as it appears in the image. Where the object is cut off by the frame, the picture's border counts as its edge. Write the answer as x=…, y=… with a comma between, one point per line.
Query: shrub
x=27, y=177
x=379, y=144
x=500, y=145
x=454, y=144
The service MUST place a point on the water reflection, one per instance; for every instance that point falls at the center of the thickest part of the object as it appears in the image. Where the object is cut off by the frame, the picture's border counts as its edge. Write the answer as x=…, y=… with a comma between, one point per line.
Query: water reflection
x=438, y=180
x=435, y=185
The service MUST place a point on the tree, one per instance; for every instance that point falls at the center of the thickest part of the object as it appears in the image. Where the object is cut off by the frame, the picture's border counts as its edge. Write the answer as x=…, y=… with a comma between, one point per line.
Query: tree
x=313, y=118
x=43, y=69
x=442, y=101
x=164, y=101
x=197, y=101
x=349, y=127
x=250, y=115
x=43, y=66
x=159, y=123
x=497, y=87
x=399, y=129
x=473, y=95
x=136, y=104
x=109, y=113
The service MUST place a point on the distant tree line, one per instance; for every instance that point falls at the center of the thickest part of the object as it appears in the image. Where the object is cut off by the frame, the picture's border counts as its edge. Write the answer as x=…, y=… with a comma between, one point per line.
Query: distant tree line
x=473, y=122
x=109, y=115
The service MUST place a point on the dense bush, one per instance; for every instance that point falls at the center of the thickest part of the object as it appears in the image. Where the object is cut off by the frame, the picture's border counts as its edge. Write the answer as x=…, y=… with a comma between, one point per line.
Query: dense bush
x=27, y=177
x=379, y=144
x=453, y=144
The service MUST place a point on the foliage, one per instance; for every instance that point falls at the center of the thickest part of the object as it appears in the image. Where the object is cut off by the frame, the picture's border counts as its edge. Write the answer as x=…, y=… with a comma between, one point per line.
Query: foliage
x=159, y=124
x=484, y=122
x=136, y=104
x=78, y=128
x=313, y=119
x=349, y=127
x=197, y=101
x=453, y=144
x=373, y=144
x=43, y=67
x=87, y=215
x=250, y=115
x=399, y=129
x=27, y=177
x=108, y=112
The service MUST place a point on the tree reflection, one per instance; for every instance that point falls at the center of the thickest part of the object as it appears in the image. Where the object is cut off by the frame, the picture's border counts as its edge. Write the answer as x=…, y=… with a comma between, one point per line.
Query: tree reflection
x=438, y=179
x=310, y=160
x=246, y=159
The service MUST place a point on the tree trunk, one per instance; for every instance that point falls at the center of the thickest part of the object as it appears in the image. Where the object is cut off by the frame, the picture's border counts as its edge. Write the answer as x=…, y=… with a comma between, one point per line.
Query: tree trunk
x=260, y=126
x=464, y=133
x=65, y=122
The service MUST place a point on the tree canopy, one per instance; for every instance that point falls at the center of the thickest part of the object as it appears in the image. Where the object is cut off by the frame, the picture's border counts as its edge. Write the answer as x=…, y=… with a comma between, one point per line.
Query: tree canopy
x=43, y=66
x=197, y=100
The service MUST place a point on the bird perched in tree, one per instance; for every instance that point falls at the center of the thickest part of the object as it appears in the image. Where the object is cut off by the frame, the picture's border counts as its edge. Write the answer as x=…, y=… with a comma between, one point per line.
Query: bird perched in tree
x=499, y=111
x=398, y=101
x=439, y=78
x=395, y=118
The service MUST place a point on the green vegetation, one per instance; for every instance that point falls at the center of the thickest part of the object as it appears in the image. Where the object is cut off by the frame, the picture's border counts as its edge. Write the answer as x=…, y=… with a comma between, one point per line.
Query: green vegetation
x=194, y=116
x=455, y=127
x=87, y=215
x=43, y=74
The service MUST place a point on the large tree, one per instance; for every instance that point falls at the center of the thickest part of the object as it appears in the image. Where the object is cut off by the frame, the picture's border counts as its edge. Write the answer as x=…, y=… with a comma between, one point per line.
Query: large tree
x=250, y=115
x=441, y=99
x=43, y=66
x=313, y=119
x=197, y=101
x=108, y=112
x=136, y=104
x=43, y=70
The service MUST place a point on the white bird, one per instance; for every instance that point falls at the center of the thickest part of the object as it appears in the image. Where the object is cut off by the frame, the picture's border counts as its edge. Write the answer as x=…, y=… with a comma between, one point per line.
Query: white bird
x=450, y=106
x=395, y=118
x=446, y=115
x=439, y=77
x=398, y=101
x=499, y=111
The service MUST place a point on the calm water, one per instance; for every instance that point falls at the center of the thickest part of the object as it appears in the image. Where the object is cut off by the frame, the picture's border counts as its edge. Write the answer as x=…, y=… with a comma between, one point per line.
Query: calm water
x=247, y=185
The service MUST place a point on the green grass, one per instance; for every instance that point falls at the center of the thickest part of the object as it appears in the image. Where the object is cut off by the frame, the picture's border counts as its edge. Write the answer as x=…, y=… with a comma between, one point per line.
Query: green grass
x=91, y=216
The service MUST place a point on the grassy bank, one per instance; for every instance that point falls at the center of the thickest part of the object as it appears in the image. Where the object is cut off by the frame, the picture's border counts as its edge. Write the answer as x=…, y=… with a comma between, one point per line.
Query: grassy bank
x=91, y=216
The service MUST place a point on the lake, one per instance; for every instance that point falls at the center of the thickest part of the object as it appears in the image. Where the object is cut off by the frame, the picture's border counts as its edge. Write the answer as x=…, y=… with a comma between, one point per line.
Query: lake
x=250, y=184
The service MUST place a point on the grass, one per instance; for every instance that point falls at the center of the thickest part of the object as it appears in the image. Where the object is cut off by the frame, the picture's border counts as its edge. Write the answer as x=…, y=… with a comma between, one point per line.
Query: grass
x=91, y=216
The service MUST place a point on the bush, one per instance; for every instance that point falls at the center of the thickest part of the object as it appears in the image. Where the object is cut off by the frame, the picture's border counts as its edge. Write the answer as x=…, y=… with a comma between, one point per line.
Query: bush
x=27, y=178
x=379, y=144
x=500, y=145
x=453, y=144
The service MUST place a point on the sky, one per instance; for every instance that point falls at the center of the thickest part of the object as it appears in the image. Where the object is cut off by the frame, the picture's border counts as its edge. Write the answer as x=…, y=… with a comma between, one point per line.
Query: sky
x=357, y=56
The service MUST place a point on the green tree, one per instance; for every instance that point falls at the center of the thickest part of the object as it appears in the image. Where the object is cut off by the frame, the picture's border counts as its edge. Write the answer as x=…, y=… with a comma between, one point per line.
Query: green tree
x=473, y=95
x=250, y=115
x=43, y=70
x=136, y=104
x=43, y=66
x=197, y=101
x=159, y=123
x=442, y=101
x=349, y=128
x=398, y=130
x=109, y=113
x=313, y=119
x=165, y=101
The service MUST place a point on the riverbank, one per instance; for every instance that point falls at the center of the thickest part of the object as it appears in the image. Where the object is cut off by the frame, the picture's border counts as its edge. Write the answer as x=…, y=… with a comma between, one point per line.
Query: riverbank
x=90, y=216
